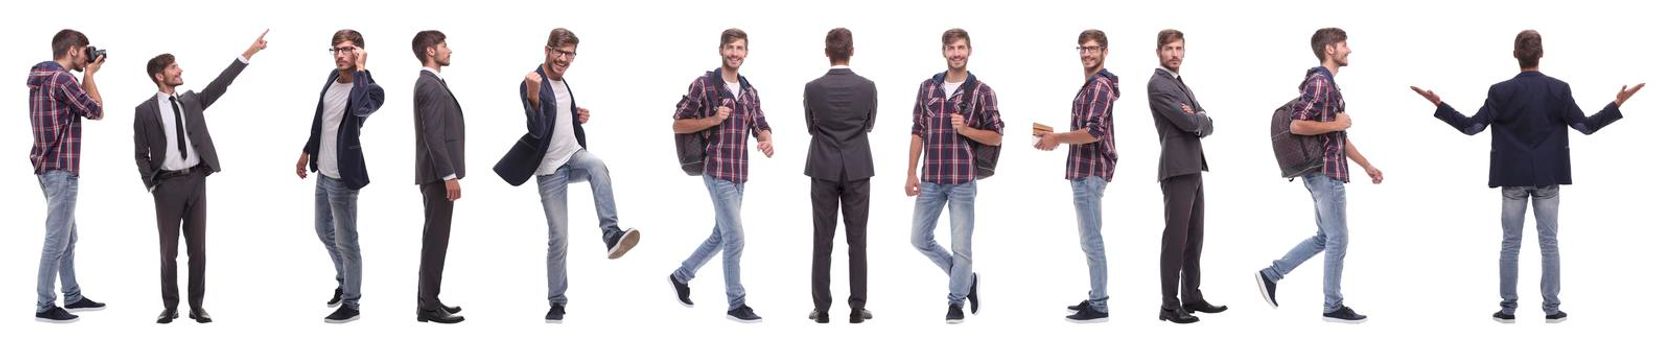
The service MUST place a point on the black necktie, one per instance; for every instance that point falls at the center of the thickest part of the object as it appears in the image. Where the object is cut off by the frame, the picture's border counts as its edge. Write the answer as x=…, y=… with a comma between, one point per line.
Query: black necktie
x=179, y=128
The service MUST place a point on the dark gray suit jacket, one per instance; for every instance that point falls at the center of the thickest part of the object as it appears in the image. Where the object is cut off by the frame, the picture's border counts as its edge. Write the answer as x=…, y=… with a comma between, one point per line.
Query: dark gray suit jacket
x=440, y=130
x=1181, y=133
x=841, y=109
x=151, y=143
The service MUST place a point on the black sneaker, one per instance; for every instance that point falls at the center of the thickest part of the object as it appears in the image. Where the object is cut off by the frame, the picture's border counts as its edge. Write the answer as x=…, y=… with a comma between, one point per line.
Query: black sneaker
x=55, y=315
x=1084, y=304
x=336, y=298
x=1557, y=317
x=975, y=302
x=681, y=290
x=1268, y=288
x=84, y=305
x=1345, y=315
x=343, y=314
x=623, y=243
x=1088, y=315
x=743, y=314
x=555, y=315
x=1502, y=317
x=954, y=314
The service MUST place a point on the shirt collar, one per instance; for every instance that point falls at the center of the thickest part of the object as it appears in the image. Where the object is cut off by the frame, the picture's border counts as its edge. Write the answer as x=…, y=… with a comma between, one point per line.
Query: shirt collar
x=436, y=72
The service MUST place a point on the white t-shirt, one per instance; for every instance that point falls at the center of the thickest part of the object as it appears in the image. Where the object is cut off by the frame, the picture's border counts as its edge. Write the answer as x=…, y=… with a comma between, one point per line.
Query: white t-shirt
x=336, y=105
x=736, y=89
x=950, y=87
x=563, y=144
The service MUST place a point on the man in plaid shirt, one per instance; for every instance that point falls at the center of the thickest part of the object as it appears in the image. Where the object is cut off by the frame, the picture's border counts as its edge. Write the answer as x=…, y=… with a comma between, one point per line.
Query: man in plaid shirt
x=1091, y=164
x=57, y=102
x=952, y=110
x=1322, y=112
x=722, y=104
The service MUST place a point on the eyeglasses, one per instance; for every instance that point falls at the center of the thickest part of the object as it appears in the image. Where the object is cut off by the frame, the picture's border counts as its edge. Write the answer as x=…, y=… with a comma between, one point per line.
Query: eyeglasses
x=341, y=50
x=561, y=53
x=1085, y=49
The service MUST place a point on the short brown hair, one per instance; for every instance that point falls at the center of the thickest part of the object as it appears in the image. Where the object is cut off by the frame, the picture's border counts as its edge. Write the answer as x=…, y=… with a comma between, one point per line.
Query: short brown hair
x=157, y=65
x=1324, y=38
x=734, y=34
x=1529, y=47
x=426, y=40
x=1167, y=36
x=65, y=40
x=838, y=44
x=561, y=37
x=1094, y=35
x=954, y=34
x=348, y=35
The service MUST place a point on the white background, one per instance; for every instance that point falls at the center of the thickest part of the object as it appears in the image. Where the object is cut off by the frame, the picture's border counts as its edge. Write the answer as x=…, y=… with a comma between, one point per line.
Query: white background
x=1424, y=250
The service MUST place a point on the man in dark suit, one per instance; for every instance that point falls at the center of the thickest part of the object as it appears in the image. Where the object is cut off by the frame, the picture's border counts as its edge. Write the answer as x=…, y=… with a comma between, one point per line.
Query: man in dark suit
x=174, y=153
x=440, y=165
x=1529, y=116
x=333, y=149
x=1182, y=123
x=554, y=152
x=841, y=108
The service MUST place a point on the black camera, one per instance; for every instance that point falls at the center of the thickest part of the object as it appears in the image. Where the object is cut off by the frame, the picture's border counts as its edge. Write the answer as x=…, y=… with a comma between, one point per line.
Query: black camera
x=94, y=53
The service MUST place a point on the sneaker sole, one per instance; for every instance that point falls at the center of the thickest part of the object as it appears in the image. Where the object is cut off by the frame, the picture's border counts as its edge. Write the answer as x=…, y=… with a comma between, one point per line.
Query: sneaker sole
x=628, y=241
x=954, y=321
x=551, y=321
x=333, y=305
x=81, y=309
x=1555, y=321
x=1503, y=321
x=739, y=320
x=1260, y=283
x=350, y=319
x=1095, y=320
x=676, y=295
x=48, y=320
x=1344, y=321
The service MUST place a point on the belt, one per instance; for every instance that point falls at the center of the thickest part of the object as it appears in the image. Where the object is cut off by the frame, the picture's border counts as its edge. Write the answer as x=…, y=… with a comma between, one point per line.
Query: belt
x=169, y=174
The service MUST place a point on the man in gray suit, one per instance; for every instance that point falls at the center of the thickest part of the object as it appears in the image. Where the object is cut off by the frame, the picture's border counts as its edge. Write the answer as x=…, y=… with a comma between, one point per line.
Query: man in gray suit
x=440, y=165
x=1181, y=123
x=841, y=108
x=174, y=155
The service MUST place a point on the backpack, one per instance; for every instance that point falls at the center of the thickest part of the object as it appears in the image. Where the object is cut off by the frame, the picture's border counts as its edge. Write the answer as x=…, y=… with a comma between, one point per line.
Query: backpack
x=1296, y=154
x=692, y=148
x=986, y=157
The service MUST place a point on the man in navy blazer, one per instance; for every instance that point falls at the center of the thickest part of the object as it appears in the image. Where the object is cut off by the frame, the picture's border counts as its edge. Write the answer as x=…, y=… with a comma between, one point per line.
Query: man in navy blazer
x=1529, y=116
x=333, y=150
x=554, y=152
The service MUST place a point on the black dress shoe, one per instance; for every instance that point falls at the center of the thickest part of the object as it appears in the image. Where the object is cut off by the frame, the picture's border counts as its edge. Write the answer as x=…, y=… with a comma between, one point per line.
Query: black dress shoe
x=859, y=316
x=1178, y=316
x=167, y=316
x=200, y=316
x=1204, y=307
x=819, y=316
x=439, y=316
x=451, y=309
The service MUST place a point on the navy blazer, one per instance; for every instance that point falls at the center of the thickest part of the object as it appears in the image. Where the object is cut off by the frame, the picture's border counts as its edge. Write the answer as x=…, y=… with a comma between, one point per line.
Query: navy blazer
x=1529, y=116
x=525, y=156
x=363, y=99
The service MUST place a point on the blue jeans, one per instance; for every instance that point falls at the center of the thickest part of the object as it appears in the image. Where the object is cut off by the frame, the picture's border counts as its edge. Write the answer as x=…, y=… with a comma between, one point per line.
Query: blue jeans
x=1545, y=200
x=335, y=222
x=1088, y=209
x=959, y=264
x=58, y=254
x=1329, y=200
x=728, y=235
x=554, y=198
